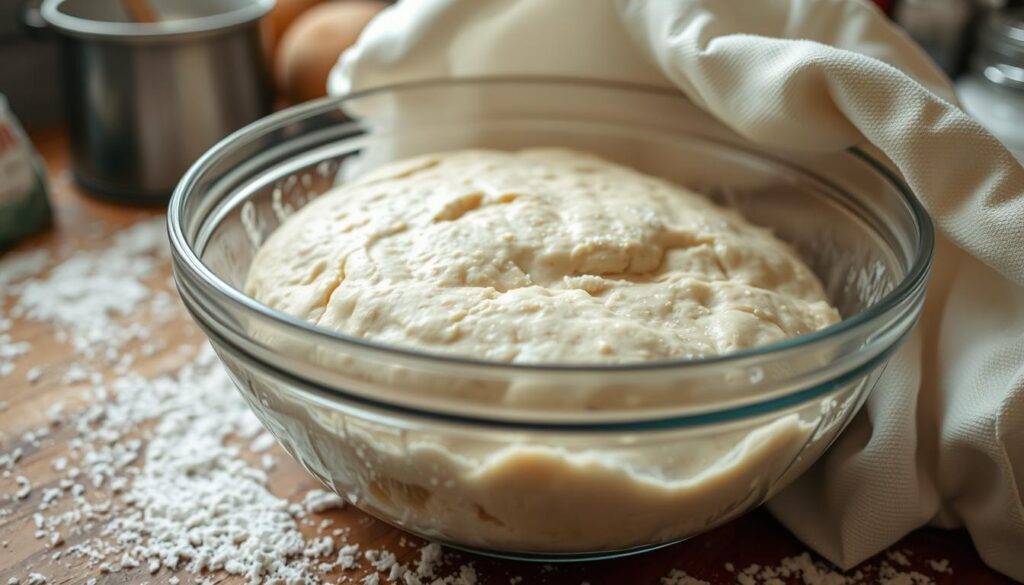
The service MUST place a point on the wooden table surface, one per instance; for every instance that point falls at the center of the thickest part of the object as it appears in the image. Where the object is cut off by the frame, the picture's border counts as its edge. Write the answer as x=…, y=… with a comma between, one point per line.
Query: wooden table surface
x=84, y=222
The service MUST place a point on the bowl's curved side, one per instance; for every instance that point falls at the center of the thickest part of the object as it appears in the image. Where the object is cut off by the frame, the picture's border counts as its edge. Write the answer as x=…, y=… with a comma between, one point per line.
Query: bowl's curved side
x=440, y=446
x=571, y=495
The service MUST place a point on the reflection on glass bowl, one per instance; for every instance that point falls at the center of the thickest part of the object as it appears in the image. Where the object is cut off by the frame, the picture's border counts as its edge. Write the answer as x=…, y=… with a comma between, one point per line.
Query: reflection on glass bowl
x=500, y=458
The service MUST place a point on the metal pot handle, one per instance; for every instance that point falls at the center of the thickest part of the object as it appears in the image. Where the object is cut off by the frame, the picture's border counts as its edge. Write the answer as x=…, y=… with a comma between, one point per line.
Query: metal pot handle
x=32, y=19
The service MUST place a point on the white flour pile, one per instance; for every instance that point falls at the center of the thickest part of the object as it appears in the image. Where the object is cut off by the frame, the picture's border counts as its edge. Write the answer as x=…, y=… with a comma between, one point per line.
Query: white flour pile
x=160, y=465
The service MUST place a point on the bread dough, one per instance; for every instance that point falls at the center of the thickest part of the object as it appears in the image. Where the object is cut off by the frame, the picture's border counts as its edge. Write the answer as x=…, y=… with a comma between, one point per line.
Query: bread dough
x=536, y=256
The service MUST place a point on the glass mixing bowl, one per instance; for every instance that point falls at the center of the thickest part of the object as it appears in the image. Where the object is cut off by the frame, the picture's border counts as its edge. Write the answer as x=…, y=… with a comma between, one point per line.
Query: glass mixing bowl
x=558, y=461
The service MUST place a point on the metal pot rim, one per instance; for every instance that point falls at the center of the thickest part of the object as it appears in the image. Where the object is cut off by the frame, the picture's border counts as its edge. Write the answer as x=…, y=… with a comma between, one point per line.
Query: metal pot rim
x=135, y=31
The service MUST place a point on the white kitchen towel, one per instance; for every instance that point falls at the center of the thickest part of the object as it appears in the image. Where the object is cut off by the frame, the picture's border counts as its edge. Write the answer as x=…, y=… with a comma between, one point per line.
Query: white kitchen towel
x=941, y=439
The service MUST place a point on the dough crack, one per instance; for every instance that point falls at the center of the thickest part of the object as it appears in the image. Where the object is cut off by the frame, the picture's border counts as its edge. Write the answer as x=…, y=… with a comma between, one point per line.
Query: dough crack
x=460, y=206
x=762, y=316
x=325, y=301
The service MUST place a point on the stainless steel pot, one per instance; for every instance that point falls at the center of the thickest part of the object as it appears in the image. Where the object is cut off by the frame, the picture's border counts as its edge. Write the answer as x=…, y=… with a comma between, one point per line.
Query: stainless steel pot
x=145, y=99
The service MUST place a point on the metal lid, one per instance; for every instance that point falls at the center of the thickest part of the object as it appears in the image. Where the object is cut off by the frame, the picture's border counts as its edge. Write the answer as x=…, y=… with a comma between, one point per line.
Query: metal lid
x=1000, y=55
x=110, y=19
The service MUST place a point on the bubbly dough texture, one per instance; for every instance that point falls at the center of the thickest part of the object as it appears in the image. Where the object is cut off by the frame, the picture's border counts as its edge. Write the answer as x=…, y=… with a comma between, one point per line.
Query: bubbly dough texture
x=537, y=256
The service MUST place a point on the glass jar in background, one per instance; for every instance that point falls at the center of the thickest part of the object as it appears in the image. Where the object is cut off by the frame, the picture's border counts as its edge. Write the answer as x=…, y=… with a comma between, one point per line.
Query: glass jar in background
x=993, y=89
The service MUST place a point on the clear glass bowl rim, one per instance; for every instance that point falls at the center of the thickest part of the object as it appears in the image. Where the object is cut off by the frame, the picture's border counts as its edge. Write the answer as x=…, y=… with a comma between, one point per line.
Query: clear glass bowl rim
x=189, y=260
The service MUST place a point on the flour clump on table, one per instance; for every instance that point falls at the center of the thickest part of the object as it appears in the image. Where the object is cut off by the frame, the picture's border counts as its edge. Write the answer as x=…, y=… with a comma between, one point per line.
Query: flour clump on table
x=541, y=255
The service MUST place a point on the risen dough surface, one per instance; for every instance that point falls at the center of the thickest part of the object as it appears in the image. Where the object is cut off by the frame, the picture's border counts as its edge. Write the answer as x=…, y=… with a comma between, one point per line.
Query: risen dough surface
x=542, y=255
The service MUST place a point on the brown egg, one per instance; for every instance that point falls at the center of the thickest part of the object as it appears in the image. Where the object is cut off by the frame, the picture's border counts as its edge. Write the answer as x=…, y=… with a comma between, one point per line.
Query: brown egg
x=280, y=18
x=313, y=43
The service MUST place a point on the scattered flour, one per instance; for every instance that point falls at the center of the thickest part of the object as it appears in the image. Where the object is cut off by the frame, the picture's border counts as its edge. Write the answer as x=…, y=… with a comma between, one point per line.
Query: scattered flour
x=154, y=462
x=262, y=442
x=192, y=481
x=24, y=488
x=803, y=569
x=34, y=374
x=677, y=577
x=898, y=557
x=87, y=296
x=317, y=501
x=9, y=352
